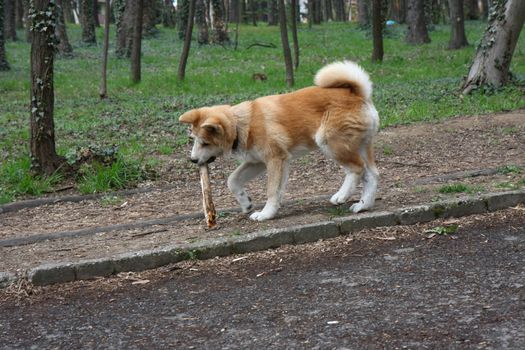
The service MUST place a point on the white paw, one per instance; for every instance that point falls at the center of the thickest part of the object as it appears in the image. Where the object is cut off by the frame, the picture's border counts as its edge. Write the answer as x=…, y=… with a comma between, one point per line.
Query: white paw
x=338, y=198
x=261, y=216
x=357, y=207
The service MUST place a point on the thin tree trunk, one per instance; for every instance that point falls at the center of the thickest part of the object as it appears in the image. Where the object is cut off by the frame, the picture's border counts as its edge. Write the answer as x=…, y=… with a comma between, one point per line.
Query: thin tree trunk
x=202, y=25
x=310, y=13
x=377, y=31
x=458, y=38
x=168, y=14
x=9, y=20
x=87, y=22
x=67, y=9
x=492, y=60
x=19, y=14
x=219, y=33
x=27, y=21
x=95, y=14
x=286, y=44
x=273, y=13
x=187, y=41
x=182, y=17
x=363, y=17
x=4, y=65
x=136, y=47
x=237, y=24
x=340, y=11
x=63, y=47
x=103, y=92
x=124, y=19
x=417, y=32
x=42, y=140
x=295, y=39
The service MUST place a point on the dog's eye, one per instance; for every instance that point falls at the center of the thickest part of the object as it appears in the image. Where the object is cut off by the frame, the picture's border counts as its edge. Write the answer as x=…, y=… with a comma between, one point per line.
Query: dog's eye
x=204, y=144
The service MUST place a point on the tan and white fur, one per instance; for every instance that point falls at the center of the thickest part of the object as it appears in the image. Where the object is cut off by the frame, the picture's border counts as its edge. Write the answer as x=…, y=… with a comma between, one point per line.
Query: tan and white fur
x=337, y=116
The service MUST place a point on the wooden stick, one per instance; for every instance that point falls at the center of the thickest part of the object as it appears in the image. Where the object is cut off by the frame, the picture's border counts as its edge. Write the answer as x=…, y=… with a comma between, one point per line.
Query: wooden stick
x=207, y=202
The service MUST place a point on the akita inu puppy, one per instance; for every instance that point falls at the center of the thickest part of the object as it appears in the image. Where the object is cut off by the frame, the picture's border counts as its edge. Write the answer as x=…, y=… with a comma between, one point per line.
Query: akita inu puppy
x=337, y=116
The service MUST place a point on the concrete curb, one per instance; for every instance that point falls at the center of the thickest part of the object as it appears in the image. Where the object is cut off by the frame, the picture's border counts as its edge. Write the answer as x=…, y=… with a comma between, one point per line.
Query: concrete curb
x=262, y=240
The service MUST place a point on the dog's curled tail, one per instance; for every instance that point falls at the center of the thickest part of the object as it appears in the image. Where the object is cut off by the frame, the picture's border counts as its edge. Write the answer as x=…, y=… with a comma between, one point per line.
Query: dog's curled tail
x=345, y=74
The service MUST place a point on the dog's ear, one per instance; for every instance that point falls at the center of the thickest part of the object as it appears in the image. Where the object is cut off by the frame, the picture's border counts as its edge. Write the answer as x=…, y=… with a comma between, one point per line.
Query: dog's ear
x=213, y=128
x=189, y=117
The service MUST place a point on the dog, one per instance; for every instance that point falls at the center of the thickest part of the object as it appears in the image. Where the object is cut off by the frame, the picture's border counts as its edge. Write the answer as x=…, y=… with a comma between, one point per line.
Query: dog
x=336, y=116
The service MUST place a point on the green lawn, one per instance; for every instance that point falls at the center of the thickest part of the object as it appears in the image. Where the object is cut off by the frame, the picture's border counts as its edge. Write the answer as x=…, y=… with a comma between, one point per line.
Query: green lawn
x=414, y=83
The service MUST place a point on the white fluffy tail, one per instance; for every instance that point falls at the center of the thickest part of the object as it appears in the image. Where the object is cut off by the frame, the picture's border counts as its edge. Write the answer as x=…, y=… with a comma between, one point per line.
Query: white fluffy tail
x=345, y=74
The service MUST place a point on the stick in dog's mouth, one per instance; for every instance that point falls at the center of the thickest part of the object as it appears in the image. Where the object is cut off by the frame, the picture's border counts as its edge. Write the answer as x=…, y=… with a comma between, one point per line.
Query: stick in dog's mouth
x=207, y=202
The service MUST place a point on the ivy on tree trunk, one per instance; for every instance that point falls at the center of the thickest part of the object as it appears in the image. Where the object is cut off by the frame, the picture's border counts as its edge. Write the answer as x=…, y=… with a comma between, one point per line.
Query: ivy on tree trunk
x=491, y=65
x=4, y=65
x=43, y=43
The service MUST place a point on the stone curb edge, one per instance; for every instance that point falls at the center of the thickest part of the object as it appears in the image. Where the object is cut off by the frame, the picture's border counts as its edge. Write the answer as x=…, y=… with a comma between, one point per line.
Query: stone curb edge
x=262, y=240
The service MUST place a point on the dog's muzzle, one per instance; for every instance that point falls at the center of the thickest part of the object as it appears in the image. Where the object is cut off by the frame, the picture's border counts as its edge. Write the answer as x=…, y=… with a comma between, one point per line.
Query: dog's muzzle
x=196, y=161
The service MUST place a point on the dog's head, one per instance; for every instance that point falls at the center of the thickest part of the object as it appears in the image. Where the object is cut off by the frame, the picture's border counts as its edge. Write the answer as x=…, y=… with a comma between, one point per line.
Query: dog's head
x=213, y=132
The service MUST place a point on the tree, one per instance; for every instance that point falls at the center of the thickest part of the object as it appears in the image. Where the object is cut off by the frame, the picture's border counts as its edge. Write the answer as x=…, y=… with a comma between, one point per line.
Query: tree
x=472, y=9
x=136, y=47
x=339, y=6
x=286, y=44
x=219, y=33
x=63, y=45
x=273, y=16
x=458, y=38
x=87, y=22
x=377, y=31
x=124, y=10
x=491, y=65
x=202, y=24
x=187, y=41
x=363, y=17
x=183, y=9
x=168, y=14
x=10, y=20
x=417, y=32
x=295, y=39
x=42, y=140
x=4, y=65
x=103, y=91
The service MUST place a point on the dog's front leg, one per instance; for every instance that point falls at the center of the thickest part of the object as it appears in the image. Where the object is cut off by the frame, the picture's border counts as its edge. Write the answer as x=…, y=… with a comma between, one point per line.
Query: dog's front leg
x=277, y=170
x=244, y=173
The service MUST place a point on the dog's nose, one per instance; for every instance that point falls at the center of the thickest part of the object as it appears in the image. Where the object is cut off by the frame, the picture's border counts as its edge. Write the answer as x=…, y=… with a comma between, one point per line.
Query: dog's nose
x=194, y=160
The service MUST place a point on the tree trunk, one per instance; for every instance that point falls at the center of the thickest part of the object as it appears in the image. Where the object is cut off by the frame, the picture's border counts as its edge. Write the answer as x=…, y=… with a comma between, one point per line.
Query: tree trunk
x=295, y=39
x=491, y=64
x=182, y=17
x=124, y=17
x=42, y=129
x=286, y=44
x=87, y=22
x=202, y=24
x=19, y=14
x=340, y=15
x=67, y=9
x=458, y=38
x=253, y=11
x=10, y=20
x=27, y=21
x=136, y=47
x=95, y=14
x=63, y=47
x=149, y=19
x=397, y=10
x=472, y=9
x=219, y=34
x=377, y=31
x=328, y=10
x=238, y=16
x=4, y=65
x=273, y=14
x=187, y=41
x=103, y=91
x=417, y=32
x=363, y=17
x=485, y=4
x=168, y=14
x=318, y=13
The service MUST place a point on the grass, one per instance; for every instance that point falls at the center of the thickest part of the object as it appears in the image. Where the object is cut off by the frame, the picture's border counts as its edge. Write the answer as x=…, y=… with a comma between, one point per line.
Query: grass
x=413, y=84
x=460, y=188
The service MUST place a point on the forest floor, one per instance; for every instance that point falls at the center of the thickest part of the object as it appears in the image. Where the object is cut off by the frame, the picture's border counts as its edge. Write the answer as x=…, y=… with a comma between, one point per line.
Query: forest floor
x=418, y=163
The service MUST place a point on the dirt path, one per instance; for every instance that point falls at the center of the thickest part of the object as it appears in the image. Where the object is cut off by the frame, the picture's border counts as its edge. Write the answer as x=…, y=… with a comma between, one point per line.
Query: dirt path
x=387, y=288
x=409, y=158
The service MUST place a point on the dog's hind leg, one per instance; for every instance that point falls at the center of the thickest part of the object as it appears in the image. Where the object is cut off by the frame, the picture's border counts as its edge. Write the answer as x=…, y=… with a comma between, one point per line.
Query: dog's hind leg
x=370, y=181
x=236, y=181
x=348, y=186
x=277, y=177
